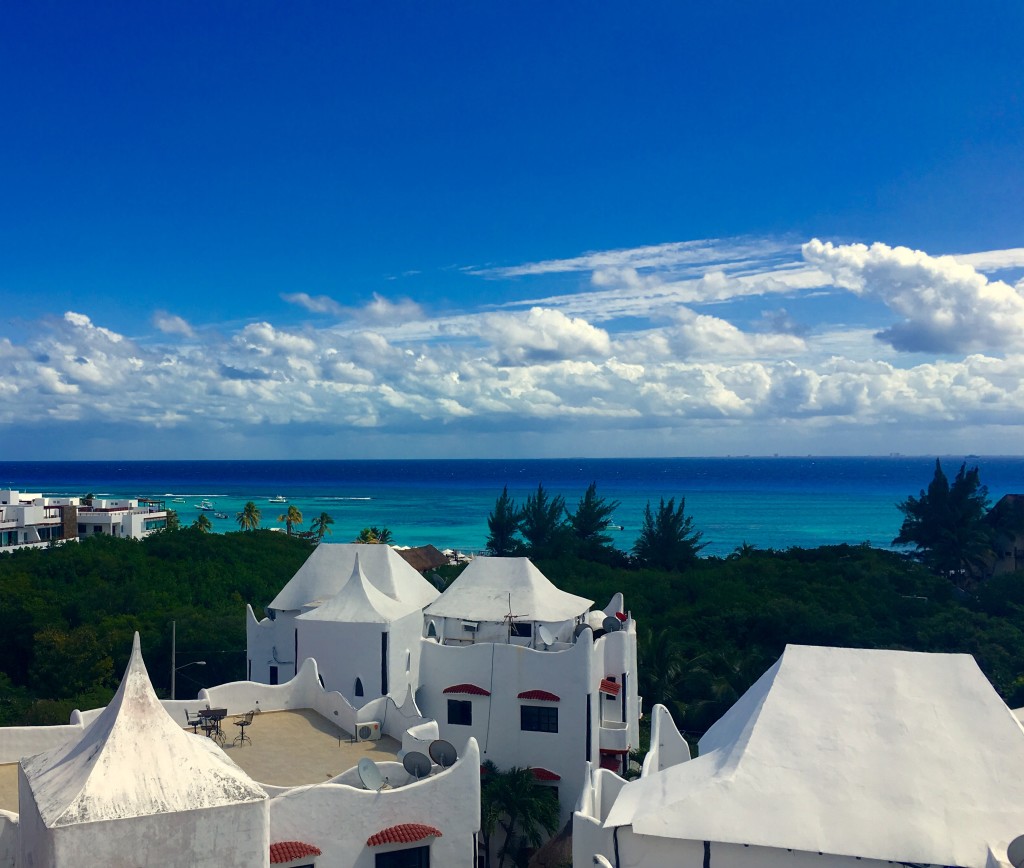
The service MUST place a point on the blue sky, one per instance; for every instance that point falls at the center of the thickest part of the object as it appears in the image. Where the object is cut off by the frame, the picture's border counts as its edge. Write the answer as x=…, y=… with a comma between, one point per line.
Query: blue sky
x=538, y=229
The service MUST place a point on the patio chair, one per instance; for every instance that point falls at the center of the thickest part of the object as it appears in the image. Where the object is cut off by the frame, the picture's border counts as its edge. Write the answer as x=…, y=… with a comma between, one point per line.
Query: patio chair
x=195, y=722
x=242, y=722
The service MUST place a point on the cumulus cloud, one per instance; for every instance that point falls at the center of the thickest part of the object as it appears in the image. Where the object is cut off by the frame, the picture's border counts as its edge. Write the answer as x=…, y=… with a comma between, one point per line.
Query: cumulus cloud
x=544, y=335
x=170, y=324
x=551, y=369
x=946, y=305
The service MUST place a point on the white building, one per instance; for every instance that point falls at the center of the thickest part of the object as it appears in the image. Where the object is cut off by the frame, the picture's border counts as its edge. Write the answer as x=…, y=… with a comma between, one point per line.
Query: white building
x=502, y=657
x=366, y=641
x=127, y=786
x=511, y=661
x=33, y=521
x=835, y=757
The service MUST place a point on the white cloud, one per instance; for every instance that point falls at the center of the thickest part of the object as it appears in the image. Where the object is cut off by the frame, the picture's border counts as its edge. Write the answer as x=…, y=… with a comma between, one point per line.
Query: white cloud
x=660, y=256
x=543, y=335
x=383, y=310
x=171, y=324
x=314, y=304
x=946, y=306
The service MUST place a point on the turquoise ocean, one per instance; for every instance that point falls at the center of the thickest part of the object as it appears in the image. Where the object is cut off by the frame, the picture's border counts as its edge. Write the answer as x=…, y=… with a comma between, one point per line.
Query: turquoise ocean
x=766, y=502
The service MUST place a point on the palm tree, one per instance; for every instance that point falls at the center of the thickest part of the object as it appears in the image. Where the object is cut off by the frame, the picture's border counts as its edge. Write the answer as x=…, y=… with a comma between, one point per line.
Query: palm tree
x=513, y=800
x=202, y=524
x=374, y=535
x=321, y=525
x=292, y=516
x=249, y=517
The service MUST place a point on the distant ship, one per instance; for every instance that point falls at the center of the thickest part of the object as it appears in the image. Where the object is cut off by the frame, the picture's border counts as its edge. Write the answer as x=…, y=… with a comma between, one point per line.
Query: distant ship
x=205, y=506
x=279, y=499
x=177, y=500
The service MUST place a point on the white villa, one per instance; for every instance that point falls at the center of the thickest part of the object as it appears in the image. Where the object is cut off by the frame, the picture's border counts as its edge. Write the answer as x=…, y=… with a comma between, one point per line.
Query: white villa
x=130, y=785
x=30, y=520
x=835, y=757
x=502, y=658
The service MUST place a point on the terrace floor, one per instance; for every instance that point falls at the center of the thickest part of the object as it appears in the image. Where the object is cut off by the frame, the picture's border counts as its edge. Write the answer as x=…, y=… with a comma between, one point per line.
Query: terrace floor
x=289, y=748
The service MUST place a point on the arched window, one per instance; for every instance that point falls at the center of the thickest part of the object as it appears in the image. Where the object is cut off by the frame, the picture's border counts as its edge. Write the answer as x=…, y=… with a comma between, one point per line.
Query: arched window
x=431, y=630
x=408, y=660
x=359, y=687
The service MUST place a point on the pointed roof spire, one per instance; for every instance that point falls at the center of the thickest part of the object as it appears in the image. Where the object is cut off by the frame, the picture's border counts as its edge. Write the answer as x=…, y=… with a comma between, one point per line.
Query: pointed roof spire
x=359, y=602
x=133, y=760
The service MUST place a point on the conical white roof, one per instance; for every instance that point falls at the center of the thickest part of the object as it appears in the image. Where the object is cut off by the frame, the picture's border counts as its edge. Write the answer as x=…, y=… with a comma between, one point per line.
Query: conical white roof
x=134, y=760
x=359, y=602
x=890, y=755
x=482, y=592
x=331, y=565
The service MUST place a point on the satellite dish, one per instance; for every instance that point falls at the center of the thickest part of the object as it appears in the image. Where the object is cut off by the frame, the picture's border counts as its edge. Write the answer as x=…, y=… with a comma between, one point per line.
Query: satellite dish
x=1015, y=852
x=545, y=635
x=416, y=764
x=595, y=618
x=443, y=753
x=579, y=630
x=369, y=774
x=611, y=624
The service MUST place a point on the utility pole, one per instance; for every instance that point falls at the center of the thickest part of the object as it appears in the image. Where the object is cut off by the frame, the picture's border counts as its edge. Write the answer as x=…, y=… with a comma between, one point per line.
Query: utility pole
x=174, y=656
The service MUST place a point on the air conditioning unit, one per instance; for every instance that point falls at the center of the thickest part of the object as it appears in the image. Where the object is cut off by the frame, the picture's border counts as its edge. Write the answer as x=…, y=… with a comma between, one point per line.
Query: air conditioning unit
x=369, y=731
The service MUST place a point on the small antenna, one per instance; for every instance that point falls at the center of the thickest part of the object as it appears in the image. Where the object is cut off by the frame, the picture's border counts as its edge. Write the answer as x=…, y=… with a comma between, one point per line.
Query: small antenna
x=416, y=764
x=510, y=619
x=443, y=753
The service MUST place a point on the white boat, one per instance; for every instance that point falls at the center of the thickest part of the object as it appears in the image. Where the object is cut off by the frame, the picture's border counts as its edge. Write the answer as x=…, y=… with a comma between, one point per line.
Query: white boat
x=205, y=506
x=279, y=499
x=177, y=500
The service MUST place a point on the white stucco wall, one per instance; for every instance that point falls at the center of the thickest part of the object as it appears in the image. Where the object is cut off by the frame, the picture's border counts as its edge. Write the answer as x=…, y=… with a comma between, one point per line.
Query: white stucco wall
x=233, y=836
x=449, y=801
x=636, y=851
x=17, y=742
x=506, y=671
x=9, y=831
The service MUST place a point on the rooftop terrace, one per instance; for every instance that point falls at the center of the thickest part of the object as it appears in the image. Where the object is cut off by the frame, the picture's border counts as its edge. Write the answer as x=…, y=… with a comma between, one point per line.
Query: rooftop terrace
x=289, y=748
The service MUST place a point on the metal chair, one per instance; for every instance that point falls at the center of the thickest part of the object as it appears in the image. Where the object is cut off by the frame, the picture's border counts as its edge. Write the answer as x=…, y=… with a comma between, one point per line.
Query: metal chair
x=194, y=722
x=242, y=722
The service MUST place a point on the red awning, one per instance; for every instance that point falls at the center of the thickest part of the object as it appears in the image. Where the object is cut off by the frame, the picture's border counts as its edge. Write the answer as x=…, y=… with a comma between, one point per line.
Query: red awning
x=539, y=694
x=403, y=833
x=471, y=689
x=610, y=687
x=289, y=851
x=544, y=774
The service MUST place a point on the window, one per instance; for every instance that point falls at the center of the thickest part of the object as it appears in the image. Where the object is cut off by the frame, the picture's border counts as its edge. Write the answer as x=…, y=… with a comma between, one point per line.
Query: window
x=414, y=857
x=524, y=631
x=460, y=712
x=359, y=687
x=538, y=718
x=273, y=675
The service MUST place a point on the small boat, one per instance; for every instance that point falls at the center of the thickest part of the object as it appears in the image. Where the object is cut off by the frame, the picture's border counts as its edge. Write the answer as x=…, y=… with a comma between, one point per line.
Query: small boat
x=177, y=500
x=220, y=515
x=278, y=499
x=205, y=506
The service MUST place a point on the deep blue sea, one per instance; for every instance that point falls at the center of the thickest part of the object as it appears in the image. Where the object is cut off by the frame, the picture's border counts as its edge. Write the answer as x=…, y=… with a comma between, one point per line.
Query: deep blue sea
x=766, y=502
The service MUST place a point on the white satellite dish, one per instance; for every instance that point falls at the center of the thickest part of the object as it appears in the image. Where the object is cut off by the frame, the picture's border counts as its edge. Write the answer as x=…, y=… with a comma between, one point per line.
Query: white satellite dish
x=594, y=619
x=443, y=752
x=416, y=764
x=369, y=774
x=545, y=635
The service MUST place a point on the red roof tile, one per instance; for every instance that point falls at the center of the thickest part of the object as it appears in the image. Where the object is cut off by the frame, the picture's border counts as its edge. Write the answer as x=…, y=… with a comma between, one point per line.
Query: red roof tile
x=471, y=689
x=610, y=687
x=545, y=775
x=539, y=694
x=289, y=851
x=403, y=833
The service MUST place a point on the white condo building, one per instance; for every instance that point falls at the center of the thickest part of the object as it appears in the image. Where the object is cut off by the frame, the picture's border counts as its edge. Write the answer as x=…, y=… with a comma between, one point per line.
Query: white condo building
x=30, y=520
x=502, y=658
